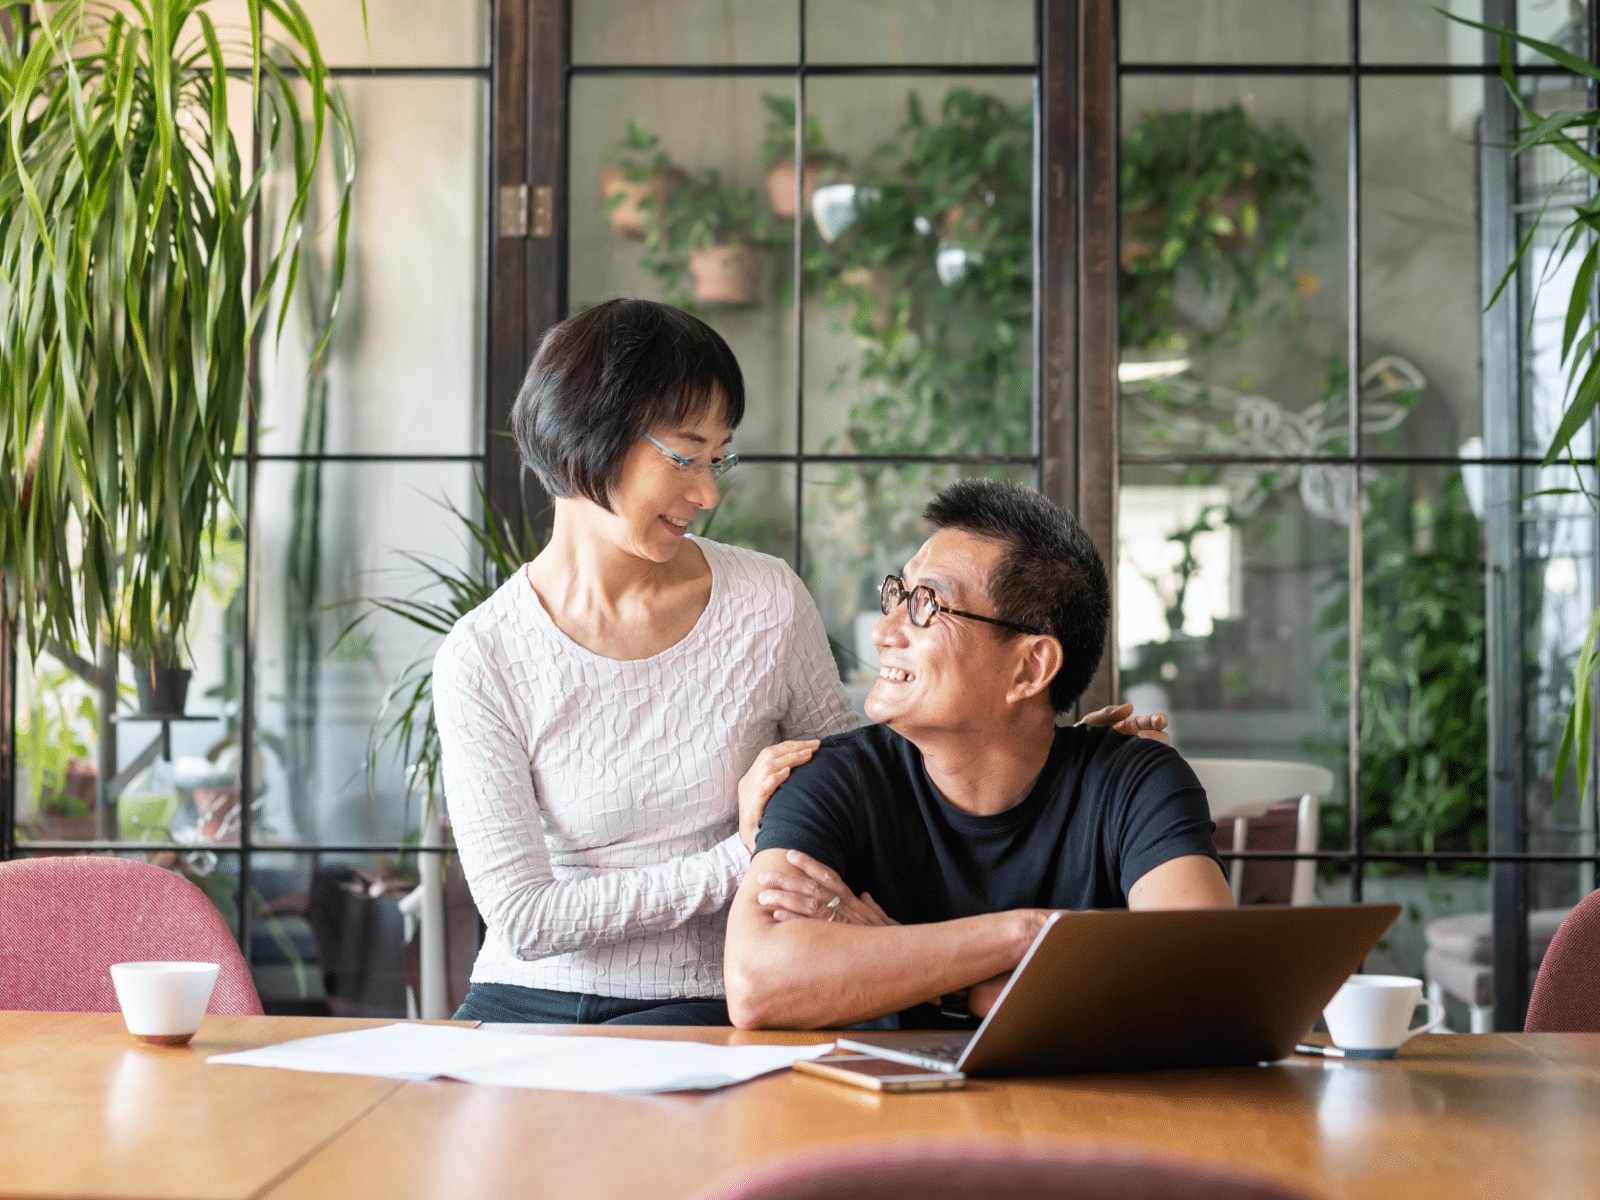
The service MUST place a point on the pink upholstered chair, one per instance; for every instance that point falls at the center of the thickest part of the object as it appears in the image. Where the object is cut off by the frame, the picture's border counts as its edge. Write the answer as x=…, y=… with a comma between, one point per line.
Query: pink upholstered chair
x=1566, y=994
x=64, y=921
x=940, y=1171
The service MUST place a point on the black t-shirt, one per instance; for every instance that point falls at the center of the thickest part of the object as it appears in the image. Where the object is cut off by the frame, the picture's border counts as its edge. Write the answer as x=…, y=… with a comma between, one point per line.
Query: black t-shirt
x=1105, y=810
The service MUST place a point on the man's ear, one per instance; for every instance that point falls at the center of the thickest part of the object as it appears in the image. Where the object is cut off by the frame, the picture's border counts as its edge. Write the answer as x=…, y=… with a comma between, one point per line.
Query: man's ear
x=1037, y=663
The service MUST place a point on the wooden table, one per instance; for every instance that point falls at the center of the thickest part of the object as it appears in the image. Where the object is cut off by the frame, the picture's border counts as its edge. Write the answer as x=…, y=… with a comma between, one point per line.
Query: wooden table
x=86, y=1112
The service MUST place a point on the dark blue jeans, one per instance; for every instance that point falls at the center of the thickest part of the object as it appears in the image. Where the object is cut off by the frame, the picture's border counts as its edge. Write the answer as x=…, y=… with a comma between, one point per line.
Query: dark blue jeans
x=506, y=1003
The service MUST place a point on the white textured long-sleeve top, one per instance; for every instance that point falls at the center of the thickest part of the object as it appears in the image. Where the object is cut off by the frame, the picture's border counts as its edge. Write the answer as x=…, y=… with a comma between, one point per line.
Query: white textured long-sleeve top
x=595, y=801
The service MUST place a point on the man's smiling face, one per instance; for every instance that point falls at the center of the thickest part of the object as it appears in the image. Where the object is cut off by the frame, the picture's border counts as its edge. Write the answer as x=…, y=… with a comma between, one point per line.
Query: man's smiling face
x=954, y=674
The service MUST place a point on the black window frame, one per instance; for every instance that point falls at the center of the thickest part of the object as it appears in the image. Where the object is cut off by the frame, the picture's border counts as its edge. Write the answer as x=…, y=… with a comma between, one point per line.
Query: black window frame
x=1507, y=858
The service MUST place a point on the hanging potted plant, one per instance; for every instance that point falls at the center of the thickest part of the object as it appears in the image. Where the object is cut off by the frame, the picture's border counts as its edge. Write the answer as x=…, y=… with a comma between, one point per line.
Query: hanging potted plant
x=637, y=180
x=705, y=244
x=1212, y=191
x=777, y=157
x=126, y=244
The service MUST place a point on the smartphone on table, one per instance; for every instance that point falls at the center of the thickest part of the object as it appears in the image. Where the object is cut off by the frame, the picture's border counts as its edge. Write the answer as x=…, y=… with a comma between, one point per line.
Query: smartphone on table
x=879, y=1074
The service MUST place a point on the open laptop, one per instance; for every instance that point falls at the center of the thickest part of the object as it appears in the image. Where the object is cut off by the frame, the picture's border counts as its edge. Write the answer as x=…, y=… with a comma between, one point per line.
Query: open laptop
x=1135, y=991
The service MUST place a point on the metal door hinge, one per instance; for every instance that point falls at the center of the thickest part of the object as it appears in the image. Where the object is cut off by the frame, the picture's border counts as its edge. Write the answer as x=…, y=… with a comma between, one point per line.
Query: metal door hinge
x=526, y=212
x=541, y=215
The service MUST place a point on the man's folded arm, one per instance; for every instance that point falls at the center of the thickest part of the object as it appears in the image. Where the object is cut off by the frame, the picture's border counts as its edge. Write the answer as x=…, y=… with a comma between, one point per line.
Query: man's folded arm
x=809, y=974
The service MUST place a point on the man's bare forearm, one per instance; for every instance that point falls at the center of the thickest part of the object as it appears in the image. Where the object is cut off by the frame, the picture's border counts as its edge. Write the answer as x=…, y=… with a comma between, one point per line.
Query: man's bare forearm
x=807, y=974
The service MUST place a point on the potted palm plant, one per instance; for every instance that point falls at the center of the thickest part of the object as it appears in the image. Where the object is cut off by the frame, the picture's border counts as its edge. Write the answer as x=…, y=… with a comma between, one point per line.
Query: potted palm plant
x=131, y=305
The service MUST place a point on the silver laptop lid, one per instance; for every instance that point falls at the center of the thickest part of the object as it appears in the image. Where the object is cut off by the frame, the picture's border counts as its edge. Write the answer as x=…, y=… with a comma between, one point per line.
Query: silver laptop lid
x=1121, y=991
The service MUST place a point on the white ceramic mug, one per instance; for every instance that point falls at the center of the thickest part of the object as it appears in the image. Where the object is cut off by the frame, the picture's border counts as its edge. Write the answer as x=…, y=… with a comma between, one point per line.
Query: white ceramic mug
x=1370, y=1016
x=164, y=1002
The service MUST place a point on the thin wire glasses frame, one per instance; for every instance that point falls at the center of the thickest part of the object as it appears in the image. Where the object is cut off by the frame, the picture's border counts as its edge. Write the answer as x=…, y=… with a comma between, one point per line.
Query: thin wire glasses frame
x=691, y=468
x=922, y=606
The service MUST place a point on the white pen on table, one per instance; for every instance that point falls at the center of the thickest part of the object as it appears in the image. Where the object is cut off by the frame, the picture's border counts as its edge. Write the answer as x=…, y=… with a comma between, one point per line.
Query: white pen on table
x=1318, y=1051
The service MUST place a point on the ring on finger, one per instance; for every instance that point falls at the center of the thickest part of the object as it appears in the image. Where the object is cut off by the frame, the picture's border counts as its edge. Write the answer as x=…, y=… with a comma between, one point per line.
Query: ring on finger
x=833, y=908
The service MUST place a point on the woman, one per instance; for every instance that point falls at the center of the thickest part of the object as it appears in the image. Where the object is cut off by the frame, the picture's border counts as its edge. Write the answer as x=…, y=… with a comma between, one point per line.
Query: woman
x=603, y=715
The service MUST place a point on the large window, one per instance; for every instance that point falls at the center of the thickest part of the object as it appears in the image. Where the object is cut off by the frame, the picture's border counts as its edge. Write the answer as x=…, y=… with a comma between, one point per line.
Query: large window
x=880, y=298
x=263, y=795
x=1319, y=481
x=1331, y=547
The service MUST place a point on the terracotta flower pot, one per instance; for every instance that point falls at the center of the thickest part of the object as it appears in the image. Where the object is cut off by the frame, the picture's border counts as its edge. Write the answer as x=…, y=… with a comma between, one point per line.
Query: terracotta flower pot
x=724, y=274
x=53, y=827
x=962, y=225
x=780, y=187
x=628, y=215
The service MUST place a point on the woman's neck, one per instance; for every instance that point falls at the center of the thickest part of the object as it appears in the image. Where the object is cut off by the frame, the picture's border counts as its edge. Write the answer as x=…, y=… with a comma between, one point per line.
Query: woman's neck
x=611, y=601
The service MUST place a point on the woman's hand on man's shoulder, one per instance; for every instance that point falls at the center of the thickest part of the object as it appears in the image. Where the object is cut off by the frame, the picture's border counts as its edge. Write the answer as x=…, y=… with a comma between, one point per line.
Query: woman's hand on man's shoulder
x=1120, y=717
x=771, y=768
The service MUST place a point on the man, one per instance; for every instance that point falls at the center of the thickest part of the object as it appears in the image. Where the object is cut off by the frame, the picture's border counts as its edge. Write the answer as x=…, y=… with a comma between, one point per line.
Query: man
x=930, y=847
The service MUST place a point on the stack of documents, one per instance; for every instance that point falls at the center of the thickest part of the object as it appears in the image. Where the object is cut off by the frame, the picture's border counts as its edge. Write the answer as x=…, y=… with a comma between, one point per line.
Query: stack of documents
x=624, y=1065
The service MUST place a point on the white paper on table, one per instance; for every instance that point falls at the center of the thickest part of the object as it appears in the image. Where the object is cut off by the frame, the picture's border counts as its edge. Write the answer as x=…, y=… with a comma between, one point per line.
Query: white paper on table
x=574, y=1064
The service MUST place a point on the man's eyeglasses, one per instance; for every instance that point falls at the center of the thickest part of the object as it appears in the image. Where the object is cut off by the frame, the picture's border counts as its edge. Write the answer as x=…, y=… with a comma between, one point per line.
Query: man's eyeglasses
x=922, y=606
x=693, y=468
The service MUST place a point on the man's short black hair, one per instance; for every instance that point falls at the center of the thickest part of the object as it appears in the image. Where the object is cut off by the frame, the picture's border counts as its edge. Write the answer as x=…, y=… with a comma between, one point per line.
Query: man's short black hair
x=1050, y=576
x=604, y=378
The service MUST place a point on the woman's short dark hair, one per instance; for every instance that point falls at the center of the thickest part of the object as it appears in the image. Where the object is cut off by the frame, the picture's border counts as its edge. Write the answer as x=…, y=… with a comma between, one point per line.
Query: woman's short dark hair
x=603, y=379
x=1050, y=576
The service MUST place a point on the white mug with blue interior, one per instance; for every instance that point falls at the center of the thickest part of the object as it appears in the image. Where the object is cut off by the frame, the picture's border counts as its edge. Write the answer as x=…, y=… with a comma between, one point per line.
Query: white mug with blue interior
x=1370, y=1016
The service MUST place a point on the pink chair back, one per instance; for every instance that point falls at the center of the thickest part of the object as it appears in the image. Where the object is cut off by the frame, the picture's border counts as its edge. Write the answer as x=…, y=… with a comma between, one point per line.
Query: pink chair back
x=64, y=921
x=940, y=1171
x=1566, y=994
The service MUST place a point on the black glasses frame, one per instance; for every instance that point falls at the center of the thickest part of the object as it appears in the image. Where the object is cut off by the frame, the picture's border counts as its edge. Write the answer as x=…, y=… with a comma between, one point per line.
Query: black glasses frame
x=893, y=590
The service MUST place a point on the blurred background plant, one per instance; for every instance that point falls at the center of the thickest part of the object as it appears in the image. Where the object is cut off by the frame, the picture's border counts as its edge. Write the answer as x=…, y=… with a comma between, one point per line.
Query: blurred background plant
x=1213, y=193
x=405, y=722
x=1424, y=688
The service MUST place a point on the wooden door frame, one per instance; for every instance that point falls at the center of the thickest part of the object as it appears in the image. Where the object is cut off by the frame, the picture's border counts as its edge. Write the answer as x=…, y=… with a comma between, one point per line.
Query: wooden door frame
x=1077, y=273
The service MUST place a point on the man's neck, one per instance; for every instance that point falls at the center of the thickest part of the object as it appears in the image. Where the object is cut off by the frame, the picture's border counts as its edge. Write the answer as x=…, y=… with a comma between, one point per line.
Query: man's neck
x=984, y=772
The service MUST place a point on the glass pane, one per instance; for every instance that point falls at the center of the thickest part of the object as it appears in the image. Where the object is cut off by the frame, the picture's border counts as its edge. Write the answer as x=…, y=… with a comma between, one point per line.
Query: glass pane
x=1233, y=284
x=404, y=371
x=403, y=33
x=714, y=244
x=685, y=31
x=57, y=748
x=861, y=523
x=1424, y=688
x=192, y=794
x=919, y=31
x=1457, y=897
x=1558, y=598
x=330, y=536
x=1231, y=612
x=1414, y=31
x=919, y=268
x=757, y=510
x=1420, y=293
x=1255, y=31
x=329, y=938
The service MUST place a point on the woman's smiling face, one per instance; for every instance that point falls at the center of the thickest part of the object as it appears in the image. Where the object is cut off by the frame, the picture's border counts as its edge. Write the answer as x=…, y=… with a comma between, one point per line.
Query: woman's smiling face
x=653, y=502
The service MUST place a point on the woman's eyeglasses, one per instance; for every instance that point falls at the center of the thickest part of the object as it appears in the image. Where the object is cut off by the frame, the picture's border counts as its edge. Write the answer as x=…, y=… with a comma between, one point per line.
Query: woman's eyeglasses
x=693, y=468
x=922, y=606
